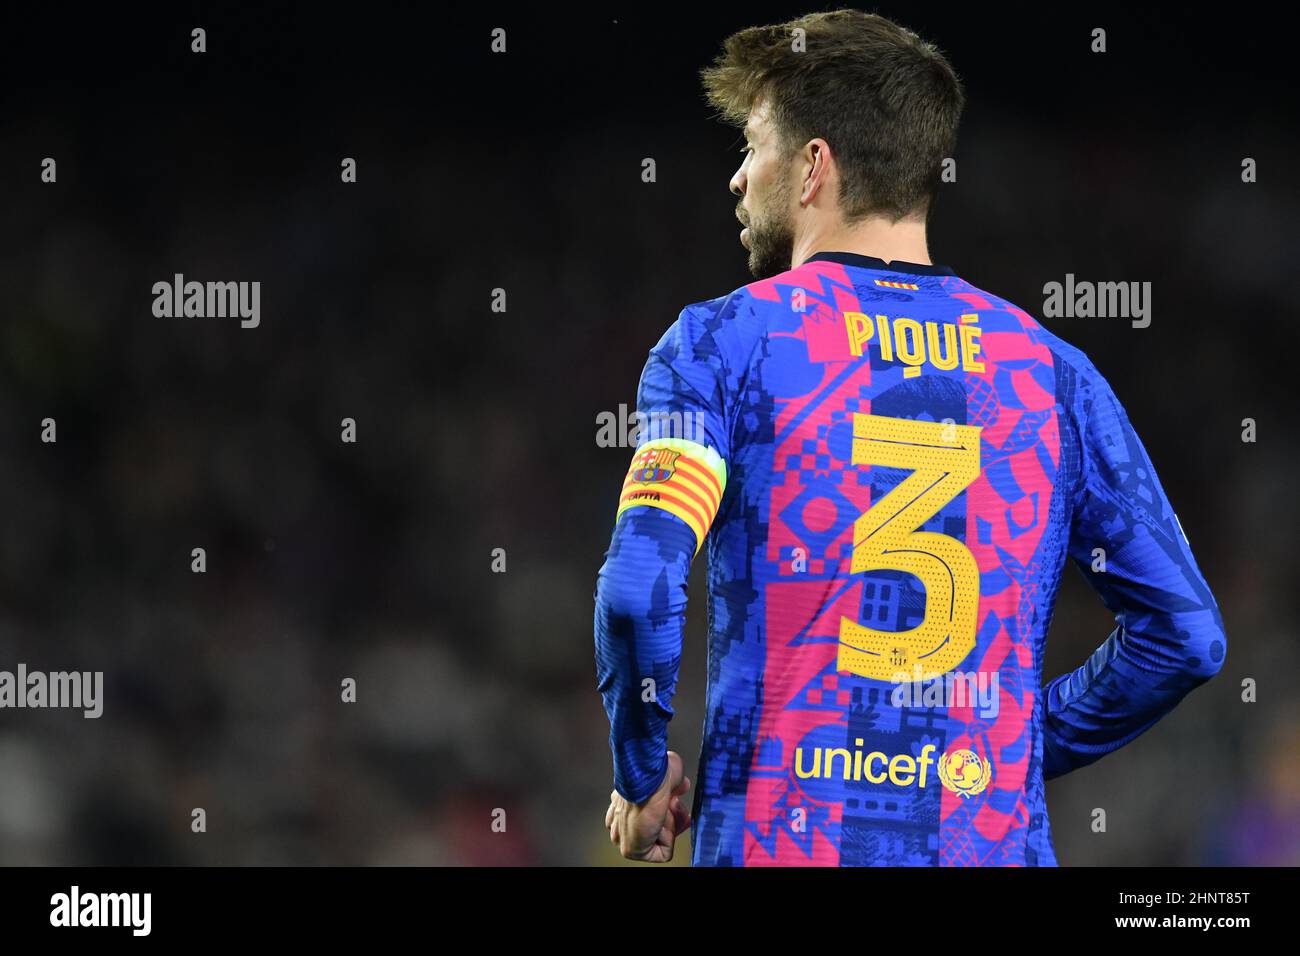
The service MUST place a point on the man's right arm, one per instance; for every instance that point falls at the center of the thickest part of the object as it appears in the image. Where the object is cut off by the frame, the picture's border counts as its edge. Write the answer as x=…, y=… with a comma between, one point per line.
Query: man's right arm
x=1169, y=636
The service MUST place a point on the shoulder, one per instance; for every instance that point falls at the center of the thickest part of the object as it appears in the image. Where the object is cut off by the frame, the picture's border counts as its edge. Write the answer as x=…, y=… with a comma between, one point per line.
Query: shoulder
x=722, y=331
x=735, y=322
x=1078, y=379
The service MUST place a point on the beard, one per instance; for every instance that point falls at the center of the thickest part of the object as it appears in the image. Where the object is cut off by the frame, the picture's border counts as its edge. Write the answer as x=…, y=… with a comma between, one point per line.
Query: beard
x=771, y=232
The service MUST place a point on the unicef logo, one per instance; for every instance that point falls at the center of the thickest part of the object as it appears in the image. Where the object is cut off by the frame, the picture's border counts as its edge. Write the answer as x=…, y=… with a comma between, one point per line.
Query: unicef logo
x=962, y=771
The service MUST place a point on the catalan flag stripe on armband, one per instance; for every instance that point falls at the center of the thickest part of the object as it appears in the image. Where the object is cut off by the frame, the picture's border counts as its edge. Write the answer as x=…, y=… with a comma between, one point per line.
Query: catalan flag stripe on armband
x=682, y=477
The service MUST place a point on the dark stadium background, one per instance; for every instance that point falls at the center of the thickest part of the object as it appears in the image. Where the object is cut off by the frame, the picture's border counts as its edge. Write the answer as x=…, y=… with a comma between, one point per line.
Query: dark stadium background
x=477, y=429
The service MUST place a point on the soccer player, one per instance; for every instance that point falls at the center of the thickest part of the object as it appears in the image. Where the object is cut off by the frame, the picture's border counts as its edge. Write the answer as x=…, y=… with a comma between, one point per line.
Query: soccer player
x=887, y=468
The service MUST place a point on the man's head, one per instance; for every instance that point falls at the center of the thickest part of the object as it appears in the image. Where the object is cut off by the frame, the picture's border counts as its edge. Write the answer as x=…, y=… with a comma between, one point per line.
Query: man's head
x=845, y=122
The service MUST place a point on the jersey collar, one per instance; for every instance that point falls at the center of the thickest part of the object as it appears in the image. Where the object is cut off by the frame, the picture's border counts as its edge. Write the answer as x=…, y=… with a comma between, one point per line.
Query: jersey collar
x=871, y=262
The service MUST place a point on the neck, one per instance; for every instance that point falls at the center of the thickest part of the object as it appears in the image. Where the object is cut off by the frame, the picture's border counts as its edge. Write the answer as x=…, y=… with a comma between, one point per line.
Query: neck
x=903, y=240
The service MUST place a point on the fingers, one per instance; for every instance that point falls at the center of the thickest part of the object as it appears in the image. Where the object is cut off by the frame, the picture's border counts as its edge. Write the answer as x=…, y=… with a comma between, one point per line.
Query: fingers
x=675, y=772
x=660, y=851
x=623, y=834
x=613, y=817
x=681, y=817
x=663, y=848
x=627, y=823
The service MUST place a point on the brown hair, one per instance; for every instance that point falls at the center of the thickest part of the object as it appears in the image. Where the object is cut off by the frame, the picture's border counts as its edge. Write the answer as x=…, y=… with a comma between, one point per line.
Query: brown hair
x=887, y=102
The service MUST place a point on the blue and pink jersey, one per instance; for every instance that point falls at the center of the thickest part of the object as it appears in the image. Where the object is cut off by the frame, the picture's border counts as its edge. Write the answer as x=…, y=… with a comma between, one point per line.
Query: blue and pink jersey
x=887, y=469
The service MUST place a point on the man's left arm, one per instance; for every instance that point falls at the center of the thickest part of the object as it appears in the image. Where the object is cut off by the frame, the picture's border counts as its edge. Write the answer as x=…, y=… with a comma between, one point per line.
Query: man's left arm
x=670, y=496
x=671, y=493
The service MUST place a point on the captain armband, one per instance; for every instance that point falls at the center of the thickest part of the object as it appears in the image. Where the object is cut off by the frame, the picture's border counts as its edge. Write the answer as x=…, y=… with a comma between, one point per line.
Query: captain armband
x=682, y=477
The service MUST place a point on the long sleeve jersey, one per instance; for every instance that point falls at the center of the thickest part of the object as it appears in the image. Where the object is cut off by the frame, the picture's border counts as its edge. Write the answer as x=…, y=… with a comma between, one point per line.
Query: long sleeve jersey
x=886, y=469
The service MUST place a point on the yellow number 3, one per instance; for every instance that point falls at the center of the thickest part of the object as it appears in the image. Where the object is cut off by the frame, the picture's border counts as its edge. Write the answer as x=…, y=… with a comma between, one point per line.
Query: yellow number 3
x=944, y=459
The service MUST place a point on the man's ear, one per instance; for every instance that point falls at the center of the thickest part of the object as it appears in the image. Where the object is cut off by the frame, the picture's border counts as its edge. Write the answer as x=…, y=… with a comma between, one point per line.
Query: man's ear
x=816, y=154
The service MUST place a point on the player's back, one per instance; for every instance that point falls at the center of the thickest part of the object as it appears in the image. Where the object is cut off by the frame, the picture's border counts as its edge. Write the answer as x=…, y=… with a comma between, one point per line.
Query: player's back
x=903, y=464
x=890, y=467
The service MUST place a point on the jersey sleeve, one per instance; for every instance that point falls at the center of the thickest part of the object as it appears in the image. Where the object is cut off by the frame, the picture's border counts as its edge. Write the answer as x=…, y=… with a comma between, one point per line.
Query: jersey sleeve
x=671, y=493
x=1126, y=539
